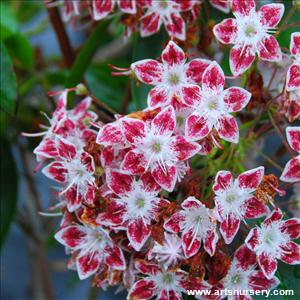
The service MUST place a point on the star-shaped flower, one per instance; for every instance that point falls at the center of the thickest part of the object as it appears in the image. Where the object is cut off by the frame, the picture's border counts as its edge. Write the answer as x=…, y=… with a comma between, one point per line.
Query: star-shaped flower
x=197, y=226
x=93, y=247
x=250, y=33
x=172, y=78
x=273, y=240
x=235, y=200
x=155, y=148
x=291, y=172
x=213, y=107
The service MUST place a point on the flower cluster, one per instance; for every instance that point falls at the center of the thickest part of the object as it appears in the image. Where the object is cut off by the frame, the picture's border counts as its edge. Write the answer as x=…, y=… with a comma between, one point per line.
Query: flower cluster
x=130, y=215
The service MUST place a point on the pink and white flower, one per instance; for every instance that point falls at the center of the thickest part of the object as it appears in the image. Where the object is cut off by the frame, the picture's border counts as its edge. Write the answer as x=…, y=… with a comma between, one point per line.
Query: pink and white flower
x=155, y=148
x=75, y=171
x=137, y=204
x=196, y=224
x=291, y=172
x=168, y=13
x=172, y=78
x=93, y=247
x=164, y=284
x=273, y=240
x=250, y=33
x=293, y=75
x=243, y=276
x=235, y=200
x=213, y=107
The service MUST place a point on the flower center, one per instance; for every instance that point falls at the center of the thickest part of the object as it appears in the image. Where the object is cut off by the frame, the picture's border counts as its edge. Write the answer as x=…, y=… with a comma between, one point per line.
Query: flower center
x=174, y=79
x=212, y=103
x=230, y=198
x=236, y=279
x=179, y=120
x=156, y=147
x=168, y=278
x=250, y=31
x=163, y=4
x=140, y=203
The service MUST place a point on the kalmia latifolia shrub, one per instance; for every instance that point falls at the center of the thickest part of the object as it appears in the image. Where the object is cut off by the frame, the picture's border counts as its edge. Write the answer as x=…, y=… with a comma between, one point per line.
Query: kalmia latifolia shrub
x=157, y=202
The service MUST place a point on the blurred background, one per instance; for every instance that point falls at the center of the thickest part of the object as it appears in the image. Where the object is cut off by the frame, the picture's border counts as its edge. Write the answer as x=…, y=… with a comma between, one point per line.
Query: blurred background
x=40, y=53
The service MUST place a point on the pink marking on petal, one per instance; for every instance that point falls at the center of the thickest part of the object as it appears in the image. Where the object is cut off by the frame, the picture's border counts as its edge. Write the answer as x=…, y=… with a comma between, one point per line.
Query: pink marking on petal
x=142, y=289
x=173, y=55
x=101, y=8
x=148, y=71
x=293, y=78
x=191, y=94
x=195, y=69
x=166, y=177
x=291, y=227
x=56, y=171
x=210, y=242
x=183, y=148
x=119, y=183
x=46, y=148
x=229, y=228
x=191, y=244
x=246, y=259
x=145, y=267
x=72, y=236
x=150, y=24
x=269, y=49
x=227, y=128
x=223, y=5
x=293, y=137
x=290, y=253
x=82, y=106
x=243, y=8
x=88, y=162
x=271, y=14
x=190, y=203
x=114, y=258
x=241, y=58
x=236, y=98
x=197, y=127
x=175, y=26
x=276, y=215
x=88, y=264
x=254, y=208
x=110, y=134
x=268, y=264
x=173, y=224
x=128, y=6
x=223, y=181
x=253, y=239
x=133, y=129
x=258, y=281
x=149, y=184
x=226, y=31
x=73, y=199
x=164, y=122
x=295, y=43
x=251, y=179
x=213, y=78
x=134, y=163
x=113, y=215
x=138, y=232
x=159, y=96
x=291, y=172
x=65, y=148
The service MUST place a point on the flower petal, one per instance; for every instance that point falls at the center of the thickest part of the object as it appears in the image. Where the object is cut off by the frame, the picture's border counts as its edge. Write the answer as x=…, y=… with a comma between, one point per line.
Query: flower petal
x=251, y=179
x=173, y=55
x=56, y=171
x=236, y=98
x=195, y=68
x=159, y=96
x=268, y=264
x=293, y=137
x=138, y=232
x=65, y=149
x=190, y=203
x=243, y=8
x=110, y=134
x=254, y=208
x=269, y=49
x=226, y=31
x=149, y=184
x=166, y=177
x=150, y=24
x=223, y=181
x=258, y=281
x=227, y=128
x=127, y=6
x=290, y=253
x=88, y=264
x=291, y=172
x=191, y=244
x=173, y=224
x=213, y=78
x=142, y=289
x=134, y=163
x=229, y=228
x=271, y=14
x=146, y=267
x=276, y=215
x=73, y=237
x=210, y=242
x=175, y=26
x=223, y=5
x=252, y=240
x=164, y=122
x=118, y=182
x=240, y=59
x=191, y=94
x=183, y=148
x=114, y=258
x=197, y=126
x=101, y=8
x=46, y=148
x=292, y=228
x=148, y=71
x=134, y=129
x=293, y=78
x=295, y=43
x=73, y=199
x=246, y=259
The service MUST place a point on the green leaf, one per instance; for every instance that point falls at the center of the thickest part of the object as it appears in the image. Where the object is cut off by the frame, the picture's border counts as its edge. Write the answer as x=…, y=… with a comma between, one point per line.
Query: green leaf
x=8, y=188
x=8, y=21
x=8, y=81
x=21, y=50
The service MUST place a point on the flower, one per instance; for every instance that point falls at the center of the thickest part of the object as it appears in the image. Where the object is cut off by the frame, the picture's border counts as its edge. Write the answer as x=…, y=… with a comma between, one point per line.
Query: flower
x=195, y=221
x=168, y=13
x=155, y=148
x=249, y=32
x=172, y=78
x=272, y=241
x=169, y=253
x=136, y=205
x=242, y=275
x=213, y=105
x=74, y=170
x=93, y=248
x=235, y=200
x=164, y=284
x=293, y=74
x=291, y=172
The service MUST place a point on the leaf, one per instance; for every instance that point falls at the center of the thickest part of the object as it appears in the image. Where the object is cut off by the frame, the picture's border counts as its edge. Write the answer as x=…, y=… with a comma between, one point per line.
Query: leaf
x=8, y=21
x=8, y=81
x=8, y=189
x=21, y=50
